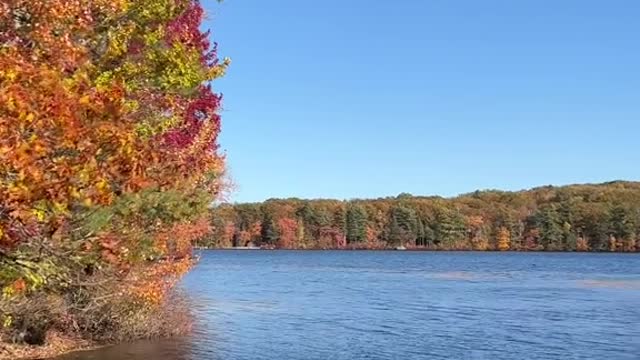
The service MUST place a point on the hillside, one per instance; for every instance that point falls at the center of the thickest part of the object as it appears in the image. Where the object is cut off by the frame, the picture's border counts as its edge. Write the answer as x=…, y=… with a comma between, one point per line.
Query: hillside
x=590, y=217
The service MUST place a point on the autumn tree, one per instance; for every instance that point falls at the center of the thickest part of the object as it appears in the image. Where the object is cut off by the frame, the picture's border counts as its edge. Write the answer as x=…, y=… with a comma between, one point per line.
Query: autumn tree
x=108, y=153
x=581, y=244
x=571, y=218
x=287, y=233
x=503, y=239
x=476, y=231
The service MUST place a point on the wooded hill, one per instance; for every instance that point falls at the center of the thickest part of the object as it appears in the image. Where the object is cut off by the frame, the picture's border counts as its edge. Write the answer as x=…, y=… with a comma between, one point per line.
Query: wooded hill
x=602, y=217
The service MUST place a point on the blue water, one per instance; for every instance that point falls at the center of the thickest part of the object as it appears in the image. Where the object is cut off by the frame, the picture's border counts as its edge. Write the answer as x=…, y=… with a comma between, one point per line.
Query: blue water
x=276, y=305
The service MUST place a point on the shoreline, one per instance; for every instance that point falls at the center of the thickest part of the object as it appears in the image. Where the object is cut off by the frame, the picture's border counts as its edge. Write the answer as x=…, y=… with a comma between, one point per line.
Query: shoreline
x=59, y=345
x=422, y=250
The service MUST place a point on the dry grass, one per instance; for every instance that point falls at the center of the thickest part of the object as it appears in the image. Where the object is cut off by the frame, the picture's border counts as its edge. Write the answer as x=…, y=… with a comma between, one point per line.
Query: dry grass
x=56, y=344
x=61, y=326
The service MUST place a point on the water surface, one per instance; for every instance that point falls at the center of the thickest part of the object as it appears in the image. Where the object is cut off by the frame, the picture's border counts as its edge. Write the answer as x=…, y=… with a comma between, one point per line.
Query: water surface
x=280, y=305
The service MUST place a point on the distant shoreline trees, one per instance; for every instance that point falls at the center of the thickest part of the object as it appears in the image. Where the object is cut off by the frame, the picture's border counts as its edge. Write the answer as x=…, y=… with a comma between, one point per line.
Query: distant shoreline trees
x=604, y=217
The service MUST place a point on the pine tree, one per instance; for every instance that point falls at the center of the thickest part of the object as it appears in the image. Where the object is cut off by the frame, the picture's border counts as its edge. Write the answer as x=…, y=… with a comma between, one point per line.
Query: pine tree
x=570, y=238
x=622, y=229
x=404, y=225
x=549, y=225
x=420, y=233
x=396, y=234
x=269, y=230
x=596, y=229
x=340, y=219
x=356, y=224
x=449, y=229
x=429, y=238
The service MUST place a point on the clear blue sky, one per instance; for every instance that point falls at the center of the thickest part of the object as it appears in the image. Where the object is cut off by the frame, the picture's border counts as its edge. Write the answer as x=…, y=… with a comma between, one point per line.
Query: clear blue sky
x=353, y=98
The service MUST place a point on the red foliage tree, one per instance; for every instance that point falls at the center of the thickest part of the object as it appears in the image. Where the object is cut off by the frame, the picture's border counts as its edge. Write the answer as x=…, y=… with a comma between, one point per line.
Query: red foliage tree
x=287, y=229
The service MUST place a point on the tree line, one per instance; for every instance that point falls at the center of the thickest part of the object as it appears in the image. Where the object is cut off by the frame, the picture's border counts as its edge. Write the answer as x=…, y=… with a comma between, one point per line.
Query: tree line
x=601, y=217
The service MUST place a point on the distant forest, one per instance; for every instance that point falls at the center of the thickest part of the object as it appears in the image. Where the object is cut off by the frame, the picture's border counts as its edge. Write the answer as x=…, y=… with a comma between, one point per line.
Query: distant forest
x=604, y=217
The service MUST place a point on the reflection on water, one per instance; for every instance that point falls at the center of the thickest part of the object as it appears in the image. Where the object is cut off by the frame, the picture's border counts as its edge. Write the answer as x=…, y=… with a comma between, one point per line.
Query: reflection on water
x=408, y=306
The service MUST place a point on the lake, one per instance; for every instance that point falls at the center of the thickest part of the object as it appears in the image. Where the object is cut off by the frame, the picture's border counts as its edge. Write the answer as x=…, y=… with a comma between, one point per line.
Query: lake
x=280, y=305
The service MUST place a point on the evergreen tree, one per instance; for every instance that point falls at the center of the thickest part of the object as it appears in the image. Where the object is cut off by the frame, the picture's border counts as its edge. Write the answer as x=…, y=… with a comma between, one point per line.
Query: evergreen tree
x=403, y=225
x=621, y=223
x=570, y=238
x=356, y=224
x=547, y=221
x=396, y=234
x=420, y=233
x=622, y=228
x=340, y=219
x=429, y=237
x=449, y=229
x=596, y=229
x=269, y=231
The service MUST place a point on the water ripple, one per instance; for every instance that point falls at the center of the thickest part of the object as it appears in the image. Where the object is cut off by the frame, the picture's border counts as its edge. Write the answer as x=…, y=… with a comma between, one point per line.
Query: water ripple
x=405, y=306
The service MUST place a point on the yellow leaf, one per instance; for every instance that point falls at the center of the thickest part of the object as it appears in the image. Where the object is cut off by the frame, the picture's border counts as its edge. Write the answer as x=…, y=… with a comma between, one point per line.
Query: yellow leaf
x=60, y=207
x=11, y=104
x=102, y=184
x=8, y=320
x=39, y=214
x=74, y=192
x=10, y=74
